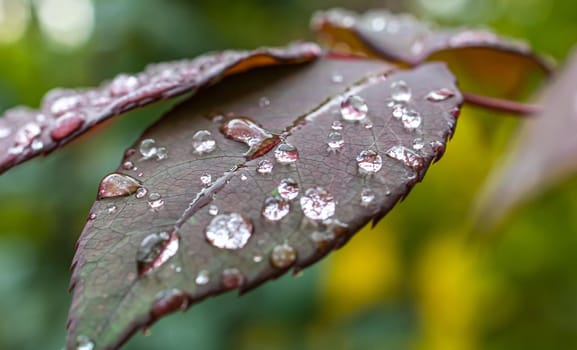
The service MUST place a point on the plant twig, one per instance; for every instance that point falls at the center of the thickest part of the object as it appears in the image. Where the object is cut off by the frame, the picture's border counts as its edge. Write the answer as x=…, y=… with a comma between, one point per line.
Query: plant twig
x=522, y=109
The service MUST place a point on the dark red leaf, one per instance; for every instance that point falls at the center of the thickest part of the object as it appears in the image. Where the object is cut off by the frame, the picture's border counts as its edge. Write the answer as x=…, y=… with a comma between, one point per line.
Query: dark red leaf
x=484, y=62
x=251, y=178
x=66, y=114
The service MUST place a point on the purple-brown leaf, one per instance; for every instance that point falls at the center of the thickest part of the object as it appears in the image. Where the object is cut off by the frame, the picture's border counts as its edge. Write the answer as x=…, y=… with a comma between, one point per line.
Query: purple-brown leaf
x=66, y=114
x=266, y=172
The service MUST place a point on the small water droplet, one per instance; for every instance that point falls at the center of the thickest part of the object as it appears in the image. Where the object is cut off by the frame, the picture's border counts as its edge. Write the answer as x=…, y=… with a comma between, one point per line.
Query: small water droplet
x=337, y=78
x=318, y=204
x=418, y=144
x=368, y=124
x=400, y=91
x=111, y=208
x=405, y=155
x=213, y=210
x=367, y=197
x=84, y=343
x=155, y=201
x=148, y=148
x=246, y=131
x=203, y=142
x=335, y=141
x=154, y=250
x=264, y=166
x=161, y=153
x=206, y=179
x=168, y=301
x=27, y=133
x=92, y=216
x=354, y=108
x=66, y=125
x=37, y=145
x=439, y=95
x=337, y=125
x=438, y=147
x=65, y=104
x=117, y=185
x=257, y=258
x=275, y=209
x=263, y=102
x=369, y=162
x=229, y=231
x=128, y=165
x=232, y=278
x=5, y=132
x=398, y=111
x=243, y=177
x=283, y=256
x=141, y=192
x=411, y=119
x=285, y=153
x=288, y=189
x=123, y=84
x=202, y=278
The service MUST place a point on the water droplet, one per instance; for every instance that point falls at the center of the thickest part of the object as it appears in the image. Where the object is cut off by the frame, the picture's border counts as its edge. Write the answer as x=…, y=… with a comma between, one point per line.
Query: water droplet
x=202, y=278
x=232, y=278
x=439, y=95
x=117, y=185
x=168, y=301
x=213, y=210
x=257, y=258
x=368, y=124
x=229, y=231
x=217, y=119
x=288, y=189
x=411, y=119
x=66, y=125
x=398, y=111
x=37, y=145
x=148, y=148
x=335, y=141
x=246, y=131
x=206, y=179
x=203, y=142
x=65, y=104
x=369, y=162
x=161, y=153
x=283, y=256
x=354, y=108
x=275, y=209
x=155, y=201
x=128, y=165
x=418, y=144
x=111, y=208
x=317, y=204
x=285, y=153
x=408, y=157
x=263, y=102
x=337, y=78
x=243, y=177
x=367, y=197
x=27, y=133
x=438, y=147
x=141, y=192
x=337, y=125
x=154, y=250
x=123, y=84
x=5, y=132
x=264, y=166
x=92, y=216
x=84, y=343
x=400, y=91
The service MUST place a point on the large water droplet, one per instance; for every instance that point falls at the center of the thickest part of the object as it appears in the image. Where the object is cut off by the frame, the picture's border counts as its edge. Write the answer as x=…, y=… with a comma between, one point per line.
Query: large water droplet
x=369, y=162
x=229, y=231
x=283, y=256
x=232, y=278
x=264, y=166
x=408, y=157
x=84, y=343
x=202, y=278
x=246, y=131
x=117, y=185
x=285, y=153
x=411, y=119
x=203, y=142
x=354, y=108
x=27, y=133
x=154, y=250
x=400, y=91
x=367, y=197
x=335, y=141
x=317, y=204
x=148, y=148
x=288, y=189
x=439, y=95
x=66, y=125
x=168, y=301
x=155, y=201
x=275, y=209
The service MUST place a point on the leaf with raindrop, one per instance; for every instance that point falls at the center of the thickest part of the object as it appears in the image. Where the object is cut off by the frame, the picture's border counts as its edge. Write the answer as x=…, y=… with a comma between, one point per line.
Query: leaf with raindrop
x=543, y=154
x=247, y=190
x=66, y=114
x=484, y=62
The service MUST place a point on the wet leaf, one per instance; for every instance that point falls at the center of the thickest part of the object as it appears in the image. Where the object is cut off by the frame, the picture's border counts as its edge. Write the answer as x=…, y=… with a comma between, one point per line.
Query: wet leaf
x=543, y=153
x=484, y=62
x=66, y=114
x=251, y=186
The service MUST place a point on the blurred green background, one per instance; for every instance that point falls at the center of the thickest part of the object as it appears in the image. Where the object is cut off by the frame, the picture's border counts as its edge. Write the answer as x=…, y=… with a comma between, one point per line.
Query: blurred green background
x=419, y=280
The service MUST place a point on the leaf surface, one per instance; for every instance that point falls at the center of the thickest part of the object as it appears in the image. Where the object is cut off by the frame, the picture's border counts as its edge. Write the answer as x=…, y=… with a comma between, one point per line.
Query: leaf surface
x=141, y=258
x=66, y=114
x=484, y=62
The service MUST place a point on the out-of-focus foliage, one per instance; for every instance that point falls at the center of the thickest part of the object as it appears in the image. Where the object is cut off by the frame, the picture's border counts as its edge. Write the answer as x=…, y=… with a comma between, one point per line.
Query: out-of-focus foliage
x=419, y=280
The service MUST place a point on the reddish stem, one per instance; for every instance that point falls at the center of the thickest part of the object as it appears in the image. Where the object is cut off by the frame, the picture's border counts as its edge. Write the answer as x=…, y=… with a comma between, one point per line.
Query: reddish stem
x=522, y=109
